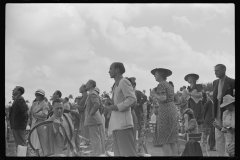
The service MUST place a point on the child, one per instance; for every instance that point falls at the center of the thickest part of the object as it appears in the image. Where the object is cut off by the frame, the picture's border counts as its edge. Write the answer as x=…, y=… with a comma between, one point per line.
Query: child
x=228, y=120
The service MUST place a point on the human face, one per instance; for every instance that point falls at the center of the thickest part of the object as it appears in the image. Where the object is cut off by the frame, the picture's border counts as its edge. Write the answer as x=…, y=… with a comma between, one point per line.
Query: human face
x=15, y=91
x=82, y=89
x=58, y=109
x=39, y=97
x=219, y=72
x=190, y=80
x=157, y=76
x=112, y=71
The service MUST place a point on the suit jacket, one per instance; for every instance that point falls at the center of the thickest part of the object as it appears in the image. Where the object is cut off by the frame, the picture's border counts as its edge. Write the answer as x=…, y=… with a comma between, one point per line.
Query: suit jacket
x=208, y=113
x=192, y=148
x=18, y=114
x=92, y=105
x=228, y=87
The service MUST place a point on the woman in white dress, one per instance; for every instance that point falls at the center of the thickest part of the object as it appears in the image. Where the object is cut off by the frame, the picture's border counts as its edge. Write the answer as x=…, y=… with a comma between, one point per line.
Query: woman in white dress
x=38, y=113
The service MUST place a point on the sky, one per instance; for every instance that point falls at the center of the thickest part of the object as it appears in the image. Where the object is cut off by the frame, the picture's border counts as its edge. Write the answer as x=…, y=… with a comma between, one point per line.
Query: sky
x=61, y=46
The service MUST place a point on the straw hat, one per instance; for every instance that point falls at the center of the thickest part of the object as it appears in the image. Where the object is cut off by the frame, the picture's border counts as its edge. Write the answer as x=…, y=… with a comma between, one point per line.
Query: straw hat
x=40, y=91
x=228, y=99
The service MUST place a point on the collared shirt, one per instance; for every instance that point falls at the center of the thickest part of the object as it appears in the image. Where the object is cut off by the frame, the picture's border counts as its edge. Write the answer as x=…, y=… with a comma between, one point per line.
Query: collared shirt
x=219, y=97
x=220, y=88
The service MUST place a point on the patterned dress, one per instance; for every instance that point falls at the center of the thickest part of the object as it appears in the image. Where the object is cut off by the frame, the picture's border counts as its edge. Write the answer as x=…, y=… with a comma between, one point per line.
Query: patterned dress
x=167, y=125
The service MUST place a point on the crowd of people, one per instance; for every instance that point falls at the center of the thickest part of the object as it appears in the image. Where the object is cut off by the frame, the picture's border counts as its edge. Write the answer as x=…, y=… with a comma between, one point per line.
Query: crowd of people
x=125, y=113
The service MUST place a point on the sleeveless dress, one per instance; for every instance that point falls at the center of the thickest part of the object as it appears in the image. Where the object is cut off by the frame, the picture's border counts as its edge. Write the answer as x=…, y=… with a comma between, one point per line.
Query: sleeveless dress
x=167, y=118
x=196, y=107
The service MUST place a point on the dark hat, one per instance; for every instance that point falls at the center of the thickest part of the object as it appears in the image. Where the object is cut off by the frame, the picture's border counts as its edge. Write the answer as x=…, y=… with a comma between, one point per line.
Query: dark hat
x=166, y=71
x=193, y=75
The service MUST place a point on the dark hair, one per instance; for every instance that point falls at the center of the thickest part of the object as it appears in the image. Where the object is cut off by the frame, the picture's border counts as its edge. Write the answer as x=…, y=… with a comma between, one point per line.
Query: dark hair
x=222, y=66
x=93, y=83
x=170, y=82
x=120, y=66
x=58, y=100
x=59, y=93
x=21, y=90
x=66, y=98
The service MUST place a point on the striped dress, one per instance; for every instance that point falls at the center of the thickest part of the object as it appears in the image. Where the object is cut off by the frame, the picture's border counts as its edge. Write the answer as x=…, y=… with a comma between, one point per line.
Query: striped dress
x=167, y=118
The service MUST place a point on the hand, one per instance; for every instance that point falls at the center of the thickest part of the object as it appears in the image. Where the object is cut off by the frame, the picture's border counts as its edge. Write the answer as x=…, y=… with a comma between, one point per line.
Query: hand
x=215, y=124
x=112, y=107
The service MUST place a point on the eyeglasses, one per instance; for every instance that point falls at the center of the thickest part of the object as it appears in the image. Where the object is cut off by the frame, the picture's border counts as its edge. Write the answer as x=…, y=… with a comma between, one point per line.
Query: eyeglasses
x=38, y=95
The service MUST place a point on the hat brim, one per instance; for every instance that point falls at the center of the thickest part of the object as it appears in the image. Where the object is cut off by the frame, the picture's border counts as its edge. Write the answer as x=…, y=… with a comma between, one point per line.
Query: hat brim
x=225, y=104
x=191, y=75
x=167, y=71
x=40, y=93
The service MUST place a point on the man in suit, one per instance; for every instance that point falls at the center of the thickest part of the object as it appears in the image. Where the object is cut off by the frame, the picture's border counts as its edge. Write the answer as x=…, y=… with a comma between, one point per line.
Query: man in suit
x=208, y=120
x=141, y=99
x=93, y=119
x=221, y=87
x=18, y=116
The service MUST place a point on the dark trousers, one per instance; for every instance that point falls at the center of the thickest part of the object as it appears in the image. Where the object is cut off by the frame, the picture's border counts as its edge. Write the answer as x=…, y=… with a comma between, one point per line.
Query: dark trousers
x=18, y=135
x=124, y=143
x=212, y=140
x=139, y=114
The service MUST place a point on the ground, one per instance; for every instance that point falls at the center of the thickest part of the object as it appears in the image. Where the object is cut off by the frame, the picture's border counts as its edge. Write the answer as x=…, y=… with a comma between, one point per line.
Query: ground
x=153, y=151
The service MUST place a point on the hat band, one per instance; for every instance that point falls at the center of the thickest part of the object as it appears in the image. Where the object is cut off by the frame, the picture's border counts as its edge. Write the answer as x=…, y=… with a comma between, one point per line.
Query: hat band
x=40, y=93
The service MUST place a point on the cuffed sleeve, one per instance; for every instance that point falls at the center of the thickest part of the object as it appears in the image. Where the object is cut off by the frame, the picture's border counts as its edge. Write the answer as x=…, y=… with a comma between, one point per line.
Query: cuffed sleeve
x=129, y=94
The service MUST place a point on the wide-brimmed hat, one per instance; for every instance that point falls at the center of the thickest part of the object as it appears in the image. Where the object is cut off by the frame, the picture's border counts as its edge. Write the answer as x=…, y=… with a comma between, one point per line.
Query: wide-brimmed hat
x=228, y=99
x=192, y=75
x=166, y=71
x=40, y=91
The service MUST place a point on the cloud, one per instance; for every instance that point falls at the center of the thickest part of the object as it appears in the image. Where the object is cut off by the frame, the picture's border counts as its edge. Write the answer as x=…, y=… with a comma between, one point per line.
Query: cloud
x=228, y=30
x=62, y=46
x=185, y=22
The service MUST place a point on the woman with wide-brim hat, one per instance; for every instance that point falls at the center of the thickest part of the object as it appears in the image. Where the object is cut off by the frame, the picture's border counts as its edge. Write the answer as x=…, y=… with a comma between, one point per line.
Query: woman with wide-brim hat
x=196, y=107
x=166, y=134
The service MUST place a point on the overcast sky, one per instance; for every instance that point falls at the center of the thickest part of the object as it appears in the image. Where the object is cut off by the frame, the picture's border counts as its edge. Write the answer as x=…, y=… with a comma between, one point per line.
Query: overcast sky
x=61, y=46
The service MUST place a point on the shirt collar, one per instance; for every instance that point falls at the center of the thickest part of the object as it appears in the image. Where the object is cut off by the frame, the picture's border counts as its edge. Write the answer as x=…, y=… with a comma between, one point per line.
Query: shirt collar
x=223, y=79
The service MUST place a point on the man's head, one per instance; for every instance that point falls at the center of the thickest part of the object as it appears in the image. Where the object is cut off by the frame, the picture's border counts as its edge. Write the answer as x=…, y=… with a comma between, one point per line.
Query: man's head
x=91, y=84
x=18, y=90
x=82, y=89
x=57, y=107
x=117, y=68
x=220, y=70
x=66, y=99
x=57, y=94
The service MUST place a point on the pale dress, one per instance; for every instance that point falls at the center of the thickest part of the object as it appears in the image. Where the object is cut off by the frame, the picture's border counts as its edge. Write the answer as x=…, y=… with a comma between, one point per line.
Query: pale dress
x=42, y=107
x=167, y=118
